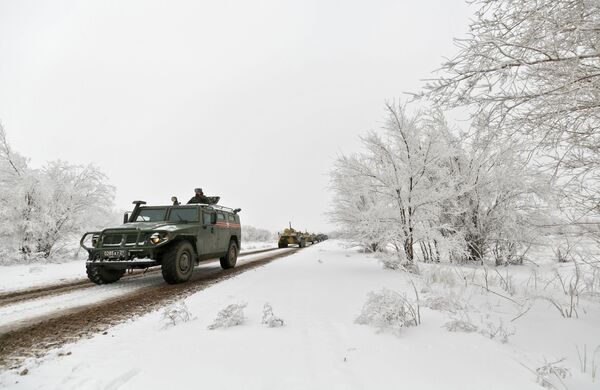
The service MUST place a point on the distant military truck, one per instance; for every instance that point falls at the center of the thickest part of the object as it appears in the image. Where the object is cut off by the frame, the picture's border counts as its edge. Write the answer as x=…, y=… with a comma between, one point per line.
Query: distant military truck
x=291, y=237
x=173, y=237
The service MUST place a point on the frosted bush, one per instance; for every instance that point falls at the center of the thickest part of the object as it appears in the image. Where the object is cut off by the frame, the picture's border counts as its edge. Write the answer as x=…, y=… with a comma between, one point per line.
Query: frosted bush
x=388, y=309
x=390, y=261
x=496, y=330
x=460, y=325
x=232, y=315
x=551, y=373
x=449, y=303
x=176, y=314
x=270, y=319
x=439, y=274
x=395, y=261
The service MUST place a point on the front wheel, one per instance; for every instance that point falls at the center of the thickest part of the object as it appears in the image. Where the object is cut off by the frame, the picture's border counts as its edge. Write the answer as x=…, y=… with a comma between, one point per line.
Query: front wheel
x=102, y=275
x=178, y=263
x=228, y=261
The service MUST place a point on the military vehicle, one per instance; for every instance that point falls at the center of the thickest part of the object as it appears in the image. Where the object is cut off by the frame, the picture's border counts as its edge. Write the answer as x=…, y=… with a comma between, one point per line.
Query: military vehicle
x=321, y=237
x=291, y=237
x=309, y=237
x=173, y=237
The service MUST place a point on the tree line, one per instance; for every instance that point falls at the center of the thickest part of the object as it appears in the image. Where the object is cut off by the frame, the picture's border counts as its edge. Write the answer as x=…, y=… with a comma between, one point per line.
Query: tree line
x=529, y=75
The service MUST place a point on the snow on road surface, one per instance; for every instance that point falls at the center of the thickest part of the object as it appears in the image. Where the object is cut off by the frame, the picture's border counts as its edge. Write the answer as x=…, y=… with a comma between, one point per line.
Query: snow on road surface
x=21, y=312
x=23, y=276
x=319, y=292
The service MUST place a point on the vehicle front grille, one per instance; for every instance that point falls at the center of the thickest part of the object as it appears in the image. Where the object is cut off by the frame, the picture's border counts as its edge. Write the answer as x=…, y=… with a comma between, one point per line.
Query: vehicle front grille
x=114, y=240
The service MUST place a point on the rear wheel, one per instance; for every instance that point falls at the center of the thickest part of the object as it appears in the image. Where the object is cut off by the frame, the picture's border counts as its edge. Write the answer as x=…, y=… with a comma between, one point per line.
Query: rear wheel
x=102, y=275
x=228, y=261
x=178, y=263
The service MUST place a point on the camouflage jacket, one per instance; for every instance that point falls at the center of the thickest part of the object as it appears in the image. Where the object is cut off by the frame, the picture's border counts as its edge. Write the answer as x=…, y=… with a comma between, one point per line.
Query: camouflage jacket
x=199, y=199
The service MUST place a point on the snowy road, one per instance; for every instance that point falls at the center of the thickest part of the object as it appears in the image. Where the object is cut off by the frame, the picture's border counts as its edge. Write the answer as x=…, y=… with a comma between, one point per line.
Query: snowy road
x=81, y=294
x=137, y=291
x=55, y=286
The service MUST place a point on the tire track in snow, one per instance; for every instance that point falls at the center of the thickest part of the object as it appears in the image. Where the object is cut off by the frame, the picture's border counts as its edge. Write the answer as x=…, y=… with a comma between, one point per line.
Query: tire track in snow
x=35, y=336
x=12, y=297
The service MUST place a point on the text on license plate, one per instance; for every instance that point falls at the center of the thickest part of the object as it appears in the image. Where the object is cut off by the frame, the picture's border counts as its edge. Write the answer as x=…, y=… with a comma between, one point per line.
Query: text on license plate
x=115, y=254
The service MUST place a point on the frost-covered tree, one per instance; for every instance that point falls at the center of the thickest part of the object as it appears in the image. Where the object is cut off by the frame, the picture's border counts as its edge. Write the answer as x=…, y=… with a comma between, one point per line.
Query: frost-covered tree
x=419, y=189
x=504, y=201
x=394, y=191
x=45, y=209
x=72, y=197
x=530, y=69
x=250, y=233
x=18, y=197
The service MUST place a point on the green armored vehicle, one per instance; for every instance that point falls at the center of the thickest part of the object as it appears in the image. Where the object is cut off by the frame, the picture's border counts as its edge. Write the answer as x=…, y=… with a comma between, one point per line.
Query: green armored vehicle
x=291, y=237
x=174, y=237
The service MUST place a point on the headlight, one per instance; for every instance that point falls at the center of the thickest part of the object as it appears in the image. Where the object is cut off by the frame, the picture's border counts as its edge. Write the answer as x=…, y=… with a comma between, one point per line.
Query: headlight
x=157, y=238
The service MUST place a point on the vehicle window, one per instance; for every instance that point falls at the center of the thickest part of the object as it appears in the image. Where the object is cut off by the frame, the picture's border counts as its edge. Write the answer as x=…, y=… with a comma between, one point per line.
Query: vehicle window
x=183, y=215
x=209, y=218
x=151, y=215
x=220, y=217
x=230, y=218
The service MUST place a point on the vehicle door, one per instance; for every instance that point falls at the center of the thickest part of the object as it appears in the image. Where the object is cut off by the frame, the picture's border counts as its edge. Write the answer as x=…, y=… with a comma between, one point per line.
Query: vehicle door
x=233, y=226
x=208, y=233
x=223, y=232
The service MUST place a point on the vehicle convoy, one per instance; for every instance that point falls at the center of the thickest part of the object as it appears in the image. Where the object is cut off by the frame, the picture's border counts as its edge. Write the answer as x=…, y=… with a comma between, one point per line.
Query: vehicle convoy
x=321, y=237
x=309, y=237
x=291, y=237
x=176, y=237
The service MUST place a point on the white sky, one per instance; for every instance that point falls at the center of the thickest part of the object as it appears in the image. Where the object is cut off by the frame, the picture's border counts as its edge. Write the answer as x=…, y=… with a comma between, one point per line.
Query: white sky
x=250, y=100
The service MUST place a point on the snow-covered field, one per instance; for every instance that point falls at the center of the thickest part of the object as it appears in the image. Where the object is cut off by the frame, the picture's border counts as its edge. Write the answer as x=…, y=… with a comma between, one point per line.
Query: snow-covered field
x=19, y=277
x=319, y=293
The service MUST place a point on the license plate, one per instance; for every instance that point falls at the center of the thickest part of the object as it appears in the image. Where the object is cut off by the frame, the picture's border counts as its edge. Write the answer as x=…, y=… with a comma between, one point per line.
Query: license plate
x=115, y=254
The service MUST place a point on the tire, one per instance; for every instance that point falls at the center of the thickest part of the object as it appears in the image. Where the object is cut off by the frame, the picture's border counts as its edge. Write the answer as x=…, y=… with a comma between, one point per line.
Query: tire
x=102, y=275
x=178, y=263
x=228, y=261
x=282, y=245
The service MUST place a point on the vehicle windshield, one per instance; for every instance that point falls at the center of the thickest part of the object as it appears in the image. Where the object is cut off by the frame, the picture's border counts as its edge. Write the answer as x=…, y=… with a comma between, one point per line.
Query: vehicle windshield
x=151, y=215
x=189, y=214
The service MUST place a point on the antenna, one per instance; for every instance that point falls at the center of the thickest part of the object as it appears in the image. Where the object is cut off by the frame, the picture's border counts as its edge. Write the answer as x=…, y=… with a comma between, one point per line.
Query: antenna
x=290, y=224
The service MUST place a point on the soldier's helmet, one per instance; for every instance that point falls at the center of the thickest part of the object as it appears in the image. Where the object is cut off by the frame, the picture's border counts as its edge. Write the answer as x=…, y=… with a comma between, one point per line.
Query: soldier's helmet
x=198, y=190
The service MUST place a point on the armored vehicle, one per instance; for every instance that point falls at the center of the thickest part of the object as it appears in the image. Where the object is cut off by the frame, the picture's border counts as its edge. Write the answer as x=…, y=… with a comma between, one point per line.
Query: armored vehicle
x=321, y=237
x=173, y=237
x=291, y=237
x=309, y=237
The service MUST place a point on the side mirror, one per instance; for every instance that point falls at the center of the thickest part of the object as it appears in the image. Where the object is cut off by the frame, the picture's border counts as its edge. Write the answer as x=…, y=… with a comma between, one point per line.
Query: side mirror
x=125, y=217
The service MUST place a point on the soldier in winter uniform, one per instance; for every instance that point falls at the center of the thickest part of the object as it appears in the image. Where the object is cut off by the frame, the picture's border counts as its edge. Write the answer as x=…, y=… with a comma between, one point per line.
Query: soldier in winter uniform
x=199, y=197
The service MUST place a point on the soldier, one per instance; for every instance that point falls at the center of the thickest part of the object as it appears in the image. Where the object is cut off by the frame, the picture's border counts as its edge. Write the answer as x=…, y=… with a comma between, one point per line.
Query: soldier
x=175, y=201
x=199, y=197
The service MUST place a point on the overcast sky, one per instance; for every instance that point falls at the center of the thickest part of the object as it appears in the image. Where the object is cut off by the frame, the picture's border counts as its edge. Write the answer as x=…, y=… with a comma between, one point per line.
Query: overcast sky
x=250, y=100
